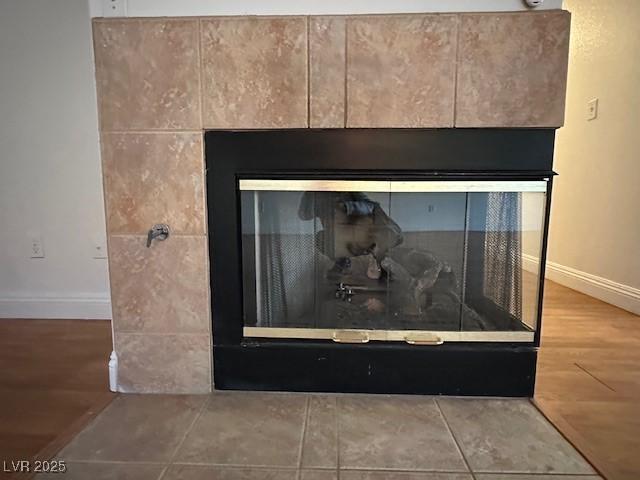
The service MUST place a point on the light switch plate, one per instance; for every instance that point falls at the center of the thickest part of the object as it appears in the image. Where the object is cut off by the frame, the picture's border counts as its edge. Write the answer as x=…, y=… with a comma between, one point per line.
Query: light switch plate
x=114, y=8
x=592, y=109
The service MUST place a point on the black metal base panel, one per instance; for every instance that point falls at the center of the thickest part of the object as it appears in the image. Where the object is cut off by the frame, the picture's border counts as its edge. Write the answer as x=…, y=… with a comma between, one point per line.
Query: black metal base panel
x=442, y=370
x=481, y=369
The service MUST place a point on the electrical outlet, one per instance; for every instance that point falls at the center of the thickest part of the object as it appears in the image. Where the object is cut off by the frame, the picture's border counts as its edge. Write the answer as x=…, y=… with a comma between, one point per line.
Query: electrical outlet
x=99, y=249
x=37, y=247
x=431, y=208
x=114, y=8
x=592, y=109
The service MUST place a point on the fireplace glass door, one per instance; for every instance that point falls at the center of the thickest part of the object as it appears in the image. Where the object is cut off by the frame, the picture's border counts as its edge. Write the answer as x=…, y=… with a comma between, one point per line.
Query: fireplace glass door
x=422, y=262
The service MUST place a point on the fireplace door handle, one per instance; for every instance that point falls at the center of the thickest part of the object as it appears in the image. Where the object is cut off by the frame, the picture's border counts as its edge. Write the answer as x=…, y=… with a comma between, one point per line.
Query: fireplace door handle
x=159, y=231
x=350, y=336
x=423, y=339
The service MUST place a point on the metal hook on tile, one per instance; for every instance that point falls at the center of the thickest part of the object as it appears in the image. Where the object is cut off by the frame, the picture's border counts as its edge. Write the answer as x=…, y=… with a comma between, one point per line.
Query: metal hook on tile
x=159, y=231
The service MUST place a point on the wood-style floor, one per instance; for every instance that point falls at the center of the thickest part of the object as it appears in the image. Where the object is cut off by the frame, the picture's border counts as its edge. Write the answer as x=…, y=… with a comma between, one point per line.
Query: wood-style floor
x=588, y=382
x=53, y=380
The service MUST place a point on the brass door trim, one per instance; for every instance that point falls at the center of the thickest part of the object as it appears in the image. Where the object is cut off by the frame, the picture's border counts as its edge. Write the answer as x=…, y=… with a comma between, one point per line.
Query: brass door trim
x=469, y=186
x=393, y=186
x=350, y=336
x=423, y=339
x=389, y=335
x=315, y=185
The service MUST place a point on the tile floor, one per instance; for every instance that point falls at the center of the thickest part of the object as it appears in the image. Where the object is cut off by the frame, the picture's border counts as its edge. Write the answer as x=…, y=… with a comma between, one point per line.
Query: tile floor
x=259, y=436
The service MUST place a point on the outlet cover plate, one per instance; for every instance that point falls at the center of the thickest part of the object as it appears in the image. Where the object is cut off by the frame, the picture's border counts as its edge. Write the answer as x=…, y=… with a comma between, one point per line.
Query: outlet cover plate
x=592, y=109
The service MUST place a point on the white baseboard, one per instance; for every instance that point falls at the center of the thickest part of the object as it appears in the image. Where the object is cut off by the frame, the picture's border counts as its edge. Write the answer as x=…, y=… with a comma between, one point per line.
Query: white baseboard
x=530, y=263
x=90, y=308
x=618, y=294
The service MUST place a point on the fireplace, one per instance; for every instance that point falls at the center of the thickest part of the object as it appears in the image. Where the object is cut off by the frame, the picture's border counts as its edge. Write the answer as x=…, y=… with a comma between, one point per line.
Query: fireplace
x=370, y=260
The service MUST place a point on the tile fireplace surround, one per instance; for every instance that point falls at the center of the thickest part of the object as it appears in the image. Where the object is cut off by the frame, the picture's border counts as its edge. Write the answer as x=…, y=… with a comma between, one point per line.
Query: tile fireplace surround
x=163, y=81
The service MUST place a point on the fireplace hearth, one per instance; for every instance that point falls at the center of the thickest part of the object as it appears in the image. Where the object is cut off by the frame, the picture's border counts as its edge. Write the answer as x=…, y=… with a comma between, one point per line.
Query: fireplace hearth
x=389, y=261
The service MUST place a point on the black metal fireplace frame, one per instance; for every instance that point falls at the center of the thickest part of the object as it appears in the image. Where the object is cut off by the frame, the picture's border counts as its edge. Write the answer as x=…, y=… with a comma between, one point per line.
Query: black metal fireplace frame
x=500, y=369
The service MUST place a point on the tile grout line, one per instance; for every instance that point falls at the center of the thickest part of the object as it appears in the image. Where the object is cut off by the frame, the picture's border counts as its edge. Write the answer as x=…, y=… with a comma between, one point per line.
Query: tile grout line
x=115, y=462
x=173, y=234
x=455, y=440
x=163, y=472
x=164, y=131
x=429, y=471
x=188, y=430
x=346, y=75
x=554, y=476
x=200, y=66
x=456, y=71
x=308, y=72
x=236, y=466
x=304, y=432
x=240, y=466
x=232, y=466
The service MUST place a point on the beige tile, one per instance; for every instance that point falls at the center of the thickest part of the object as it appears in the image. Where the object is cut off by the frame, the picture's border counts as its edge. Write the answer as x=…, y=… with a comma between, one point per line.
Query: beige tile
x=150, y=363
x=512, y=69
x=254, y=72
x=401, y=71
x=244, y=428
x=193, y=472
x=154, y=178
x=320, y=447
x=161, y=289
x=147, y=73
x=364, y=475
x=141, y=428
x=318, y=475
x=394, y=432
x=327, y=71
x=510, y=476
x=105, y=471
x=509, y=435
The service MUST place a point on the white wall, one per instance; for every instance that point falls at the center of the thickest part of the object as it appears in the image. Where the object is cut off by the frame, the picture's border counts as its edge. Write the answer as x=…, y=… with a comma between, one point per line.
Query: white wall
x=160, y=8
x=50, y=177
x=595, y=223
